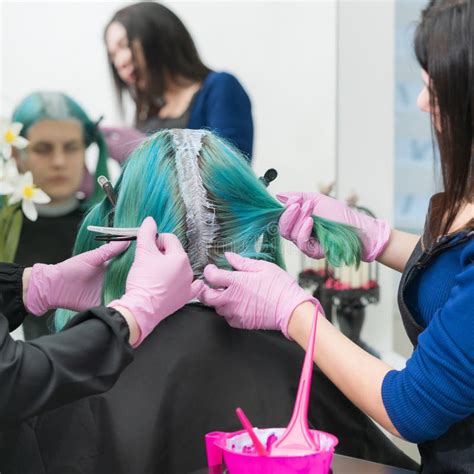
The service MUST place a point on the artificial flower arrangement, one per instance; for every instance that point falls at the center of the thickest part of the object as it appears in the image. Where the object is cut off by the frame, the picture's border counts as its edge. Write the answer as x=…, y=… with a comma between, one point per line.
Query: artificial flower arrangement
x=18, y=194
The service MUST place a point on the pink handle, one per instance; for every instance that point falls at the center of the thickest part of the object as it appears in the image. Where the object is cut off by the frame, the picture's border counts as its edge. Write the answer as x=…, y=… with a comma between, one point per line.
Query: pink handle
x=297, y=435
x=213, y=451
x=259, y=447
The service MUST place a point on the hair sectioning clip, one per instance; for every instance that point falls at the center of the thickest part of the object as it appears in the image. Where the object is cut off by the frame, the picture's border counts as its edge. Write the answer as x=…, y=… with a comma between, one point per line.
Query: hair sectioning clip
x=109, y=191
x=269, y=176
x=106, y=185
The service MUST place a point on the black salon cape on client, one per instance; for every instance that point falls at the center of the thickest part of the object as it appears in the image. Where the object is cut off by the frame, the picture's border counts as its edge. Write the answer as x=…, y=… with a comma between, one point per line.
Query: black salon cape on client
x=186, y=380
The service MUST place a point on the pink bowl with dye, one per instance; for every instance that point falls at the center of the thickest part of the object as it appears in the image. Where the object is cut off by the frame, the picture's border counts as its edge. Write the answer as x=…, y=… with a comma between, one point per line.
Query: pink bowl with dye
x=237, y=452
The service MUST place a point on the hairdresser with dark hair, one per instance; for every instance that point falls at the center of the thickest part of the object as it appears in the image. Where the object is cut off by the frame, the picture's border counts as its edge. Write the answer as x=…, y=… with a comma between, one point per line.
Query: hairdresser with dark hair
x=153, y=57
x=88, y=356
x=431, y=401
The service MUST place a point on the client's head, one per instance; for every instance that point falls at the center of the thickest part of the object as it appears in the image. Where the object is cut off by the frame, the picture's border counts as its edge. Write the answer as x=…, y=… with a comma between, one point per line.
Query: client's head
x=59, y=132
x=197, y=186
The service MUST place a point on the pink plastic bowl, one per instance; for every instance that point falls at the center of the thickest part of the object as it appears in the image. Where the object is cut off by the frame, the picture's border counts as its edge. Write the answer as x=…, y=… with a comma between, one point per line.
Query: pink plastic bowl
x=235, y=450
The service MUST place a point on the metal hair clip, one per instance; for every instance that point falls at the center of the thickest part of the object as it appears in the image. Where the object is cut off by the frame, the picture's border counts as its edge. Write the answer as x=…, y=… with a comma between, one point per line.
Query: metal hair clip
x=106, y=185
x=108, y=189
x=269, y=176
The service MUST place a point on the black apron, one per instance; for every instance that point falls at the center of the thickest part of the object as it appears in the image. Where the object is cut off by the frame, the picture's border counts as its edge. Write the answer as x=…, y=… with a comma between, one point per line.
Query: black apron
x=453, y=452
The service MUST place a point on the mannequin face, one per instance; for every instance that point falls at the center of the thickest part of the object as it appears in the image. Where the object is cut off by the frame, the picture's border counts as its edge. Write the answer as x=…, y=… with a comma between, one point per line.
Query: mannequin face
x=56, y=157
x=127, y=59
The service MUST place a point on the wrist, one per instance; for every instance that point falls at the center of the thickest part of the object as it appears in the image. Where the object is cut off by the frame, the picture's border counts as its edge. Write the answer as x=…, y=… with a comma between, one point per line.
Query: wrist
x=25, y=283
x=301, y=318
x=144, y=312
x=131, y=322
x=381, y=238
x=39, y=288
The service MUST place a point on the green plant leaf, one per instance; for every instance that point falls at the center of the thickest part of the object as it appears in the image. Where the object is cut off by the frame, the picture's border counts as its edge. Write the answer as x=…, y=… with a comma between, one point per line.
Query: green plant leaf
x=11, y=221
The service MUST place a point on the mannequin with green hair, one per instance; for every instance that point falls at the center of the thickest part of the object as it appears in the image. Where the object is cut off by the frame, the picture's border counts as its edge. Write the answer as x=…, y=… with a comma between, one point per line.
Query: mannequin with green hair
x=60, y=109
x=59, y=132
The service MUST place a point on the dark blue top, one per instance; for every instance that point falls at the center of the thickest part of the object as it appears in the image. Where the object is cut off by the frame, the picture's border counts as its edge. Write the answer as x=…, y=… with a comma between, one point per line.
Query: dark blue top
x=436, y=389
x=223, y=106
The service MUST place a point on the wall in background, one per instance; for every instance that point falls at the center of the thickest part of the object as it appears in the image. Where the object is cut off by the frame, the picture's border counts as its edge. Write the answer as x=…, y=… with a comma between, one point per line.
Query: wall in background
x=365, y=131
x=415, y=173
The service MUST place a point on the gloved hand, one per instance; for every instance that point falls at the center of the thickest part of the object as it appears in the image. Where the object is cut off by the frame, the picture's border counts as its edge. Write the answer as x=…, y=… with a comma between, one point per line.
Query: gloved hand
x=73, y=284
x=160, y=280
x=260, y=295
x=296, y=223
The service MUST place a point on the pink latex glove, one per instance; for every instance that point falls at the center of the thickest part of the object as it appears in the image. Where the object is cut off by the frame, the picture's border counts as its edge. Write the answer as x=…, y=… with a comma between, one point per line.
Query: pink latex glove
x=73, y=284
x=160, y=280
x=296, y=223
x=259, y=295
x=121, y=141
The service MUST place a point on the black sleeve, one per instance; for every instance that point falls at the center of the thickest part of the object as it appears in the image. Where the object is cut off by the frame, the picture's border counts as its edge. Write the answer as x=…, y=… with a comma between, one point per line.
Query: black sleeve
x=87, y=357
x=11, y=294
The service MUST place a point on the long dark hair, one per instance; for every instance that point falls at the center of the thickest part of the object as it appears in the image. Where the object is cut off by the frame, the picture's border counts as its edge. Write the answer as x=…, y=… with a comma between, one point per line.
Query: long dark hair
x=444, y=47
x=167, y=47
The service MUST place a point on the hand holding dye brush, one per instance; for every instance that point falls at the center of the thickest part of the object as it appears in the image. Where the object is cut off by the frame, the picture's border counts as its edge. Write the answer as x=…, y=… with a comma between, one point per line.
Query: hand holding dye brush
x=258, y=295
x=296, y=224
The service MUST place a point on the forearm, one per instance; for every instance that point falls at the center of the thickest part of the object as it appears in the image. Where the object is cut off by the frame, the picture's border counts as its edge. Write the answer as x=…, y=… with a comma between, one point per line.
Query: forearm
x=398, y=250
x=84, y=359
x=356, y=373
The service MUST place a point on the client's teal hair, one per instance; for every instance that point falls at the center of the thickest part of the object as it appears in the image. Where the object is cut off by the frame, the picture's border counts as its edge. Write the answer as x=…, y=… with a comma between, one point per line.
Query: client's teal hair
x=247, y=214
x=40, y=106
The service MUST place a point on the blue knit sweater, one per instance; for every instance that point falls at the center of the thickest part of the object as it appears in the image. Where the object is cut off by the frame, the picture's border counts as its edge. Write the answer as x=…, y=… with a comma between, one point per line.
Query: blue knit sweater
x=223, y=106
x=436, y=389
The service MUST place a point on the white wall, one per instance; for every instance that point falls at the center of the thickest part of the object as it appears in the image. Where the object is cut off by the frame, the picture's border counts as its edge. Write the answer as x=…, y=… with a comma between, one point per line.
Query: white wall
x=365, y=124
x=283, y=53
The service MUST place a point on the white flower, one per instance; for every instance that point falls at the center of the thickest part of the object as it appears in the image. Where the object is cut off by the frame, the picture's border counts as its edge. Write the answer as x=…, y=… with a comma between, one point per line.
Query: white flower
x=8, y=176
x=10, y=137
x=26, y=192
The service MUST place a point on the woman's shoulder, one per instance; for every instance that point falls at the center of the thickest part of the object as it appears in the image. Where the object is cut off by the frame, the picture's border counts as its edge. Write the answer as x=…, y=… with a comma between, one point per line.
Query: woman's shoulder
x=221, y=79
x=463, y=284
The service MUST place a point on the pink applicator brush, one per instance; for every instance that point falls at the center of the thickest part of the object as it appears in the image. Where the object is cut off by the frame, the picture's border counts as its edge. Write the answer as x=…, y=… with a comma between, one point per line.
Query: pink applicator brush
x=259, y=447
x=297, y=436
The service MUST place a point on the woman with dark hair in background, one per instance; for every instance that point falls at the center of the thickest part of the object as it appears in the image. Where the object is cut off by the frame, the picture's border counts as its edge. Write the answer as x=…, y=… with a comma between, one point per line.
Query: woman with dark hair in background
x=154, y=58
x=431, y=401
